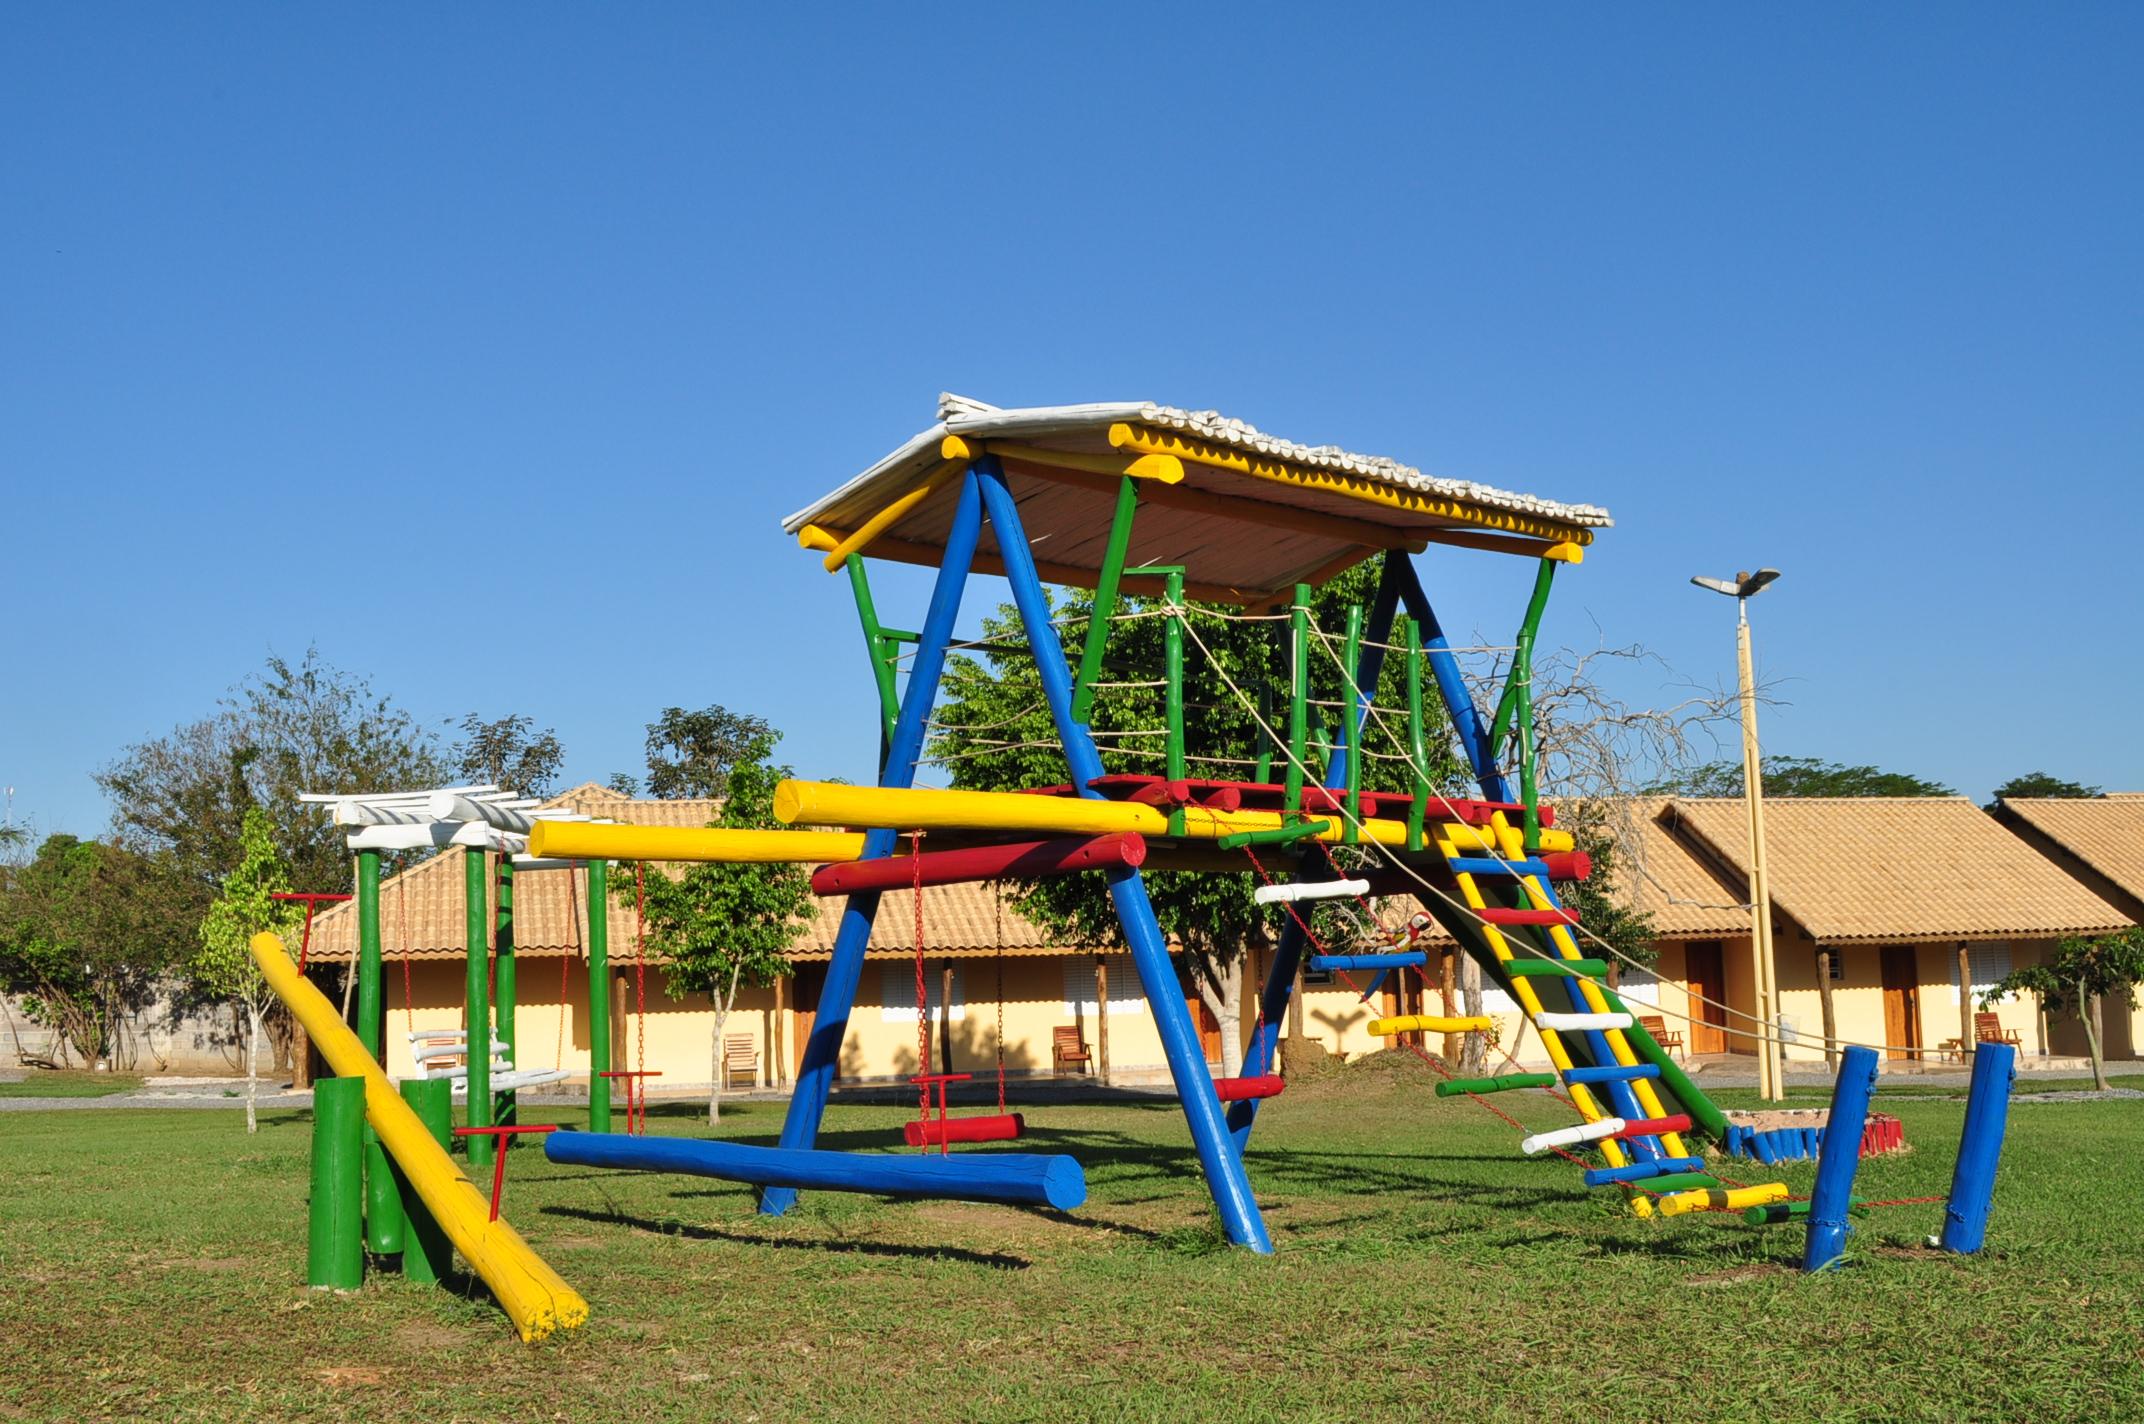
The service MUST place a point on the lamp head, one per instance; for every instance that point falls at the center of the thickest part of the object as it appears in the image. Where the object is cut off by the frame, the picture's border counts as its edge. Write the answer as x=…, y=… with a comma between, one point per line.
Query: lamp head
x=1743, y=585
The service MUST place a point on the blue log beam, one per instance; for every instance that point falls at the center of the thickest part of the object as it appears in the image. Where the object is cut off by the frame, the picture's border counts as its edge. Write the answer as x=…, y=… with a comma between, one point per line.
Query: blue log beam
x=822, y=1052
x=1222, y=1163
x=1972, y=1183
x=1834, y=1194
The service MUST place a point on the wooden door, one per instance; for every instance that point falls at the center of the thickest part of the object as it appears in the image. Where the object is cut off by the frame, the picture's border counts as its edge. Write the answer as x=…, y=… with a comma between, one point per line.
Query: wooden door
x=1209, y=1026
x=1705, y=971
x=806, y=984
x=1901, y=1002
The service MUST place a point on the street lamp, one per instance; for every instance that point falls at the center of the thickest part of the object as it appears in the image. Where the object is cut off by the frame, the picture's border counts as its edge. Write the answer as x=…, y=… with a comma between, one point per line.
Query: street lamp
x=1771, y=1068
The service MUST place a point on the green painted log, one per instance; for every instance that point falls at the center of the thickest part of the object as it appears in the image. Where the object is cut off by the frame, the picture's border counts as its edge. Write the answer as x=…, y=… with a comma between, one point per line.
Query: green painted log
x=335, y=1249
x=877, y=644
x=1673, y=1182
x=1274, y=835
x=1502, y=1083
x=427, y=1255
x=1105, y=597
x=382, y=1203
x=477, y=997
x=505, y=986
x=1773, y=1213
x=1687, y=1094
x=598, y=995
x=1417, y=739
x=1298, y=698
x=1557, y=968
x=1350, y=722
x=1173, y=694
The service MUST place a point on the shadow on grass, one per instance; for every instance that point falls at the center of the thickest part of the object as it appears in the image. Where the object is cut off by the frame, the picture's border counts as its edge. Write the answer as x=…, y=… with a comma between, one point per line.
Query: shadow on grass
x=992, y=1260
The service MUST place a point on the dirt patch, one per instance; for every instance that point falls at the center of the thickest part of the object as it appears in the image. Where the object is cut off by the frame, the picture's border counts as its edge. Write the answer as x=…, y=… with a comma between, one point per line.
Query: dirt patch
x=213, y=1265
x=351, y=1376
x=421, y=1338
x=1737, y=1276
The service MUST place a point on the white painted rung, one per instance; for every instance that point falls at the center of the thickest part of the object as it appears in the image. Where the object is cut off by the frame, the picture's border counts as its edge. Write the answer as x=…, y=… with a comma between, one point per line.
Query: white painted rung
x=1581, y=1021
x=1571, y=1136
x=1310, y=890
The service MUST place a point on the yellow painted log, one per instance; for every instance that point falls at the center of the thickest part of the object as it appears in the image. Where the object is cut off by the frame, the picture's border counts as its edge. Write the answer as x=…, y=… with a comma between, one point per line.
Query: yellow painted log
x=581, y=840
x=1494, y=840
x=1162, y=469
x=827, y=803
x=811, y=536
x=1428, y=1023
x=1714, y=1199
x=880, y=522
x=533, y=1295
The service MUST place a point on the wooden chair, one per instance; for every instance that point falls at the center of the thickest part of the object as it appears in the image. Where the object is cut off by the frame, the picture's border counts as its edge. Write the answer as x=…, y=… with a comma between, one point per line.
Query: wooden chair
x=1987, y=1028
x=1068, y=1047
x=740, y=1056
x=1669, y=1039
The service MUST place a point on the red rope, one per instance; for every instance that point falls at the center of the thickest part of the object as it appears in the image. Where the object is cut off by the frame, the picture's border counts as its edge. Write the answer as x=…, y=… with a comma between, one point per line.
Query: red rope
x=923, y=1017
x=997, y=896
x=640, y=961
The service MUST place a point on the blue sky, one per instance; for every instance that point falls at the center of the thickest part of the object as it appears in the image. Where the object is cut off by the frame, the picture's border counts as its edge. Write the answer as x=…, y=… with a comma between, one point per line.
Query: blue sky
x=485, y=346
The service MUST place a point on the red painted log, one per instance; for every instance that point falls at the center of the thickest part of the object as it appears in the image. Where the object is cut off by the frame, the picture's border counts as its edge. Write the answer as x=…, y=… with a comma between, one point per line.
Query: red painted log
x=1495, y=916
x=1019, y=859
x=1168, y=794
x=924, y=1132
x=1230, y=1090
x=1653, y=1126
x=1315, y=798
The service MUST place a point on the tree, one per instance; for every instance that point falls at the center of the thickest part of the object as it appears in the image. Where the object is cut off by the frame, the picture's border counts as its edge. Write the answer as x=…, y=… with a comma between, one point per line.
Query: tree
x=624, y=783
x=244, y=907
x=691, y=754
x=2038, y=784
x=2082, y=973
x=995, y=733
x=87, y=931
x=509, y=753
x=723, y=927
x=1793, y=776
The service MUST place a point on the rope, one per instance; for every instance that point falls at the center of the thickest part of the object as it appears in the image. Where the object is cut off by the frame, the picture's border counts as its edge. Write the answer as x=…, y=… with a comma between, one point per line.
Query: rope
x=923, y=1017
x=640, y=964
x=409, y=998
x=997, y=896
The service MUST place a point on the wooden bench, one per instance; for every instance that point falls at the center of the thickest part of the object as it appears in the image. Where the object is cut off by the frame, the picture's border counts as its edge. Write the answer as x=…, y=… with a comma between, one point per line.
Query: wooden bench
x=444, y=1053
x=1988, y=1028
x=1669, y=1039
x=740, y=1056
x=1067, y=1046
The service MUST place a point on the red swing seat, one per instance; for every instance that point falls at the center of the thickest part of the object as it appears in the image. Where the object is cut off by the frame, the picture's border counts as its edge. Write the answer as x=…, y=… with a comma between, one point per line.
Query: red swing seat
x=1264, y=1085
x=993, y=1127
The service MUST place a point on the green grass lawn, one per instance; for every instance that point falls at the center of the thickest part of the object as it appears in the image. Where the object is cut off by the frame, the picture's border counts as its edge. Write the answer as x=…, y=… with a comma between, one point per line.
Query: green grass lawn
x=70, y=1083
x=153, y=1266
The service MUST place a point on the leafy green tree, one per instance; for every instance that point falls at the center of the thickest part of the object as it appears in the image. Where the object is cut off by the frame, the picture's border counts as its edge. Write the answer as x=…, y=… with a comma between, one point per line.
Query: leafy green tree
x=691, y=754
x=2038, y=784
x=2081, y=975
x=87, y=933
x=994, y=733
x=719, y=928
x=1793, y=776
x=510, y=753
x=1602, y=901
x=245, y=906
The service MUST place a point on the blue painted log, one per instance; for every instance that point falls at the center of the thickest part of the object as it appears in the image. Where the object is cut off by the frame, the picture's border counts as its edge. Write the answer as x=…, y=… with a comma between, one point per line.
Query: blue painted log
x=1615, y=1074
x=1488, y=865
x=1403, y=959
x=1021, y=1178
x=1834, y=1194
x=1639, y=1171
x=1972, y=1183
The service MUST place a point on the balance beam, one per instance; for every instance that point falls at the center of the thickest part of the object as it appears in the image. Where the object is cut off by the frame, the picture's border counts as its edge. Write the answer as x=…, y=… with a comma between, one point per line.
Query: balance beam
x=582, y=840
x=1025, y=860
x=1018, y=1178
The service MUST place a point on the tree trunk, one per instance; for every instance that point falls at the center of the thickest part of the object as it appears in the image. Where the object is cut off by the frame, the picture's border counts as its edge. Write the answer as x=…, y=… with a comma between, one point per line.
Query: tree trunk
x=253, y=1063
x=2092, y=1025
x=1221, y=990
x=1823, y=995
x=1474, y=1053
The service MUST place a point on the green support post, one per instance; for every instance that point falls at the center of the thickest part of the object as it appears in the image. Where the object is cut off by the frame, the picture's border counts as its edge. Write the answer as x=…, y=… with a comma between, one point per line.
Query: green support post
x=429, y=1255
x=598, y=995
x=503, y=994
x=1105, y=597
x=1276, y=835
x=1173, y=695
x=1515, y=709
x=334, y=1250
x=475, y=922
x=1263, y=773
x=878, y=645
x=1351, y=716
x=383, y=1205
x=1298, y=699
x=1417, y=739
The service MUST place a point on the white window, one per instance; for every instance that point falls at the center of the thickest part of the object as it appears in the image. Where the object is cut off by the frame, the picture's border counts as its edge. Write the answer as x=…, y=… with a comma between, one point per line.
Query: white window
x=897, y=991
x=1991, y=962
x=1496, y=1001
x=1639, y=986
x=1124, y=995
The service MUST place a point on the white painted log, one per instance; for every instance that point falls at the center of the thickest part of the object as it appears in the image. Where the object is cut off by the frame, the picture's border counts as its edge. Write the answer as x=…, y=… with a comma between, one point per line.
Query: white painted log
x=1564, y=1022
x=1310, y=890
x=1570, y=1136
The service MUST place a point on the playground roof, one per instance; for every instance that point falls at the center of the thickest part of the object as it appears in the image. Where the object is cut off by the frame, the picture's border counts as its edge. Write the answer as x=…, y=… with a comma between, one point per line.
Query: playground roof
x=1247, y=514
x=2104, y=834
x=1898, y=870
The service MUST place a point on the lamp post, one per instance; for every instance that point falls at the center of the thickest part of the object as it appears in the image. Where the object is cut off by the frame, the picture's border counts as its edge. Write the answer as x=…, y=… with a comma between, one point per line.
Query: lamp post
x=1771, y=1072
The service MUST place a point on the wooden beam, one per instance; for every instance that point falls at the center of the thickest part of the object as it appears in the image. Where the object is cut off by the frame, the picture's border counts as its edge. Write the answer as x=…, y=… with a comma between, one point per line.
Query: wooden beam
x=903, y=551
x=1159, y=469
x=1047, y=465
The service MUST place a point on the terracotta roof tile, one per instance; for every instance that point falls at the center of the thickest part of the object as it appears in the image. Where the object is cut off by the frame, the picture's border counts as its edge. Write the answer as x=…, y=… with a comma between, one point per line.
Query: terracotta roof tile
x=1898, y=869
x=2105, y=833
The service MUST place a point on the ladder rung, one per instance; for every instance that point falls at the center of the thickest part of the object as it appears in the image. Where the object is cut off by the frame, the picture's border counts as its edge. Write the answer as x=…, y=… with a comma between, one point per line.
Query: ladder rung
x=1713, y=1199
x=1638, y=1171
x=1557, y=968
x=1429, y=1023
x=1673, y=1181
x=1497, y=916
x=1616, y=1074
x=1403, y=959
x=1488, y=865
x=1502, y=1083
x=1568, y=1023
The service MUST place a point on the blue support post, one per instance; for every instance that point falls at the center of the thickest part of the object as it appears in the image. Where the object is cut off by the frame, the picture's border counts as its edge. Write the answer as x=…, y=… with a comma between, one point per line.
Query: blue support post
x=1972, y=1183
x=1223, y=1165
x=1834, y=1194
x=822, y=1053
x=1458, y=699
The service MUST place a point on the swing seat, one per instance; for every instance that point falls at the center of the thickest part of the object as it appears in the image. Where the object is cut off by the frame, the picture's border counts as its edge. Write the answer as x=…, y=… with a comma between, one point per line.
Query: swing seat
x=435, y=1049
x=1232, y=1090
x=992, y=1127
